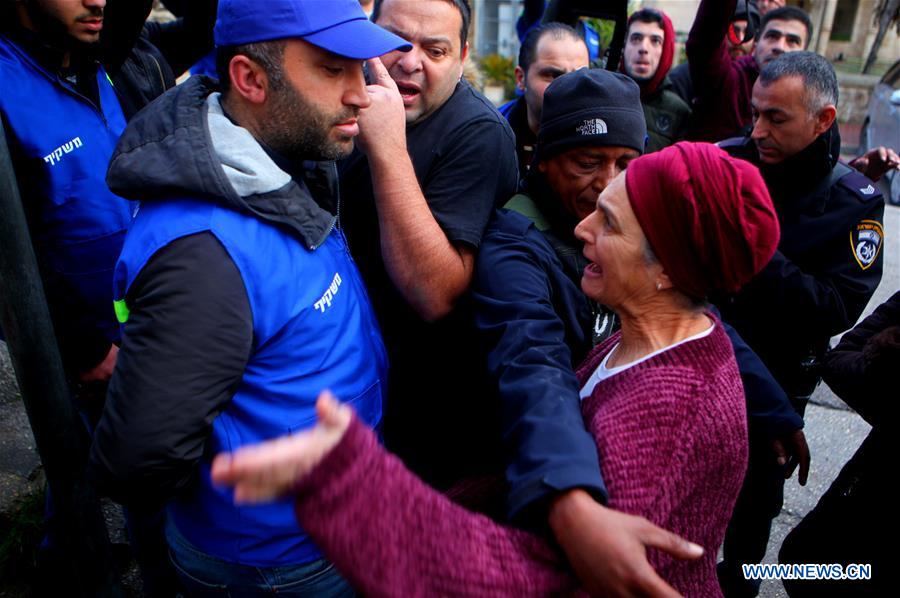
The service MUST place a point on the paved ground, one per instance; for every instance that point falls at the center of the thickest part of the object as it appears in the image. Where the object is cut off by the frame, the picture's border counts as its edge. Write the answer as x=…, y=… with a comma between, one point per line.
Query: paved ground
x=833, y=432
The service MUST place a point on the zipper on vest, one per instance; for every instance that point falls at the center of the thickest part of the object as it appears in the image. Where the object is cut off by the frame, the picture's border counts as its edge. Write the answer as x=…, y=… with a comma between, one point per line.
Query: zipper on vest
x=162, y=80
x=337, y=192
x=87, y=100
x=336, y=220
x=96, y=108
x=56, y=80
x=319, y=243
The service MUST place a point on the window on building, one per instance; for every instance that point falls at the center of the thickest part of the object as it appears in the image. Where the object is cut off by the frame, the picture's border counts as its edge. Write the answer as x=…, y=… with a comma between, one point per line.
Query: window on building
x=844, y=19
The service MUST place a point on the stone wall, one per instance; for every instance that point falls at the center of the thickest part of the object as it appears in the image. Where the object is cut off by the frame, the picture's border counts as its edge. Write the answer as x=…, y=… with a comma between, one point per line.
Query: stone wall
x=855, y=91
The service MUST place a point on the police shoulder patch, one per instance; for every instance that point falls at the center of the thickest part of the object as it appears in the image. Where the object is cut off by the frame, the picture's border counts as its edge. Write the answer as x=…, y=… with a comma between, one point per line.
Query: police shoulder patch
x=663, y=123
x=866, y=239
x=860, y=185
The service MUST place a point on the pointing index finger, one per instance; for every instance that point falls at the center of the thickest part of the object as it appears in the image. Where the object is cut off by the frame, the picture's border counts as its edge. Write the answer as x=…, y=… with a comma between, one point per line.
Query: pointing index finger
x=380, y=74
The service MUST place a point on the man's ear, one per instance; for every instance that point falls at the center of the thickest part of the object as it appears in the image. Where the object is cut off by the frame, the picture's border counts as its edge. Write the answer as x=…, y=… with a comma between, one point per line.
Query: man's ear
x=520, y=79
x=825, y=118
x=463, y=54
x=248, y=79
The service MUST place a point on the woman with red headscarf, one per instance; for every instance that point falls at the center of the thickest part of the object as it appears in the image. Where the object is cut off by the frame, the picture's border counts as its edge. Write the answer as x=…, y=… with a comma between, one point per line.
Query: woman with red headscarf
x=662, y=398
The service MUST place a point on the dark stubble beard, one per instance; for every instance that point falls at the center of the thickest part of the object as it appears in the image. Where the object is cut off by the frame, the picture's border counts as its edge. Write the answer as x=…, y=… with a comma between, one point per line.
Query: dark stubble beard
x=298, y=130
x=54, y=33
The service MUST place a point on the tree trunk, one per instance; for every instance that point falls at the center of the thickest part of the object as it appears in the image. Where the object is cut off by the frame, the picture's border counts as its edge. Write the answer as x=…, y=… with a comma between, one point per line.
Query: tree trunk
x=889, y=14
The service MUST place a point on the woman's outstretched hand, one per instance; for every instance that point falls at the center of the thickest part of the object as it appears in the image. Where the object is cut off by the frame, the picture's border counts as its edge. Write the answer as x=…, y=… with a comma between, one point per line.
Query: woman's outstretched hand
x=269, y=470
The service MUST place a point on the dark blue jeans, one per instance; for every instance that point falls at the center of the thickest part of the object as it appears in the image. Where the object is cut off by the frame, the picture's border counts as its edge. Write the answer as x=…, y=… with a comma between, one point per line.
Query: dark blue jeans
x=204, y=575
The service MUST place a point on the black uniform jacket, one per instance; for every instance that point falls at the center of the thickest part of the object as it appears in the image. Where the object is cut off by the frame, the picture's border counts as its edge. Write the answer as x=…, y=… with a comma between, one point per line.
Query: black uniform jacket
x=828, y=264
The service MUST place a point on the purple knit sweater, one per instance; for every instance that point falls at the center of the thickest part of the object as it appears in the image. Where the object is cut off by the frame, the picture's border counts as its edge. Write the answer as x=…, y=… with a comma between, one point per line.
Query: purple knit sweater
x=672, y=437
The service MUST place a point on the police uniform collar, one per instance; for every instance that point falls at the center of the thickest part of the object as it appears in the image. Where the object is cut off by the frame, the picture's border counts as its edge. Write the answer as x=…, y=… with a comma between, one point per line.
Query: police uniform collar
x=800, y=181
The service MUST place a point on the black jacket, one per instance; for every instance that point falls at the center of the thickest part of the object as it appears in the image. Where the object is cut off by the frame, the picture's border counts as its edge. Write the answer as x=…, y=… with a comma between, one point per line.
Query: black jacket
x=847, y=524
x=862, y=368
x=828, y=264
x=145, y=63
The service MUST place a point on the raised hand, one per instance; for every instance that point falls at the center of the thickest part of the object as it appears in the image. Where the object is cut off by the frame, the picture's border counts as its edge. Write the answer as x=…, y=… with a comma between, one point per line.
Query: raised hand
x=382, y=125
x=877, y=162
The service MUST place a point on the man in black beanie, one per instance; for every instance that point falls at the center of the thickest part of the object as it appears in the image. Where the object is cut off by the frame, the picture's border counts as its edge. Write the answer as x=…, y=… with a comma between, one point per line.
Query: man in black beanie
x=537, y=325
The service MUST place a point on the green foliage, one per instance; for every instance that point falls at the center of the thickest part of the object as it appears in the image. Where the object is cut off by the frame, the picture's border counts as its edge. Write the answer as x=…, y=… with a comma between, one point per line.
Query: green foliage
x=605, y=29
x=499, y=70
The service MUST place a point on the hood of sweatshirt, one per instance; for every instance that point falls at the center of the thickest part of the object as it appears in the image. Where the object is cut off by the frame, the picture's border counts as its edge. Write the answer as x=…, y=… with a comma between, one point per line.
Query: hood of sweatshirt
x=183, y=145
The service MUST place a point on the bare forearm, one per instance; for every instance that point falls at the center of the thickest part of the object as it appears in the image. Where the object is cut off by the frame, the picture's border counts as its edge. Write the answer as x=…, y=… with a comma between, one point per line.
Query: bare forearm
x=427, y=269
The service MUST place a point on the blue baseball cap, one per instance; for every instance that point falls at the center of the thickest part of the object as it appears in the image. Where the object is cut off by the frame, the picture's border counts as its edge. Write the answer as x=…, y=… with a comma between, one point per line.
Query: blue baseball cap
x=339, y=26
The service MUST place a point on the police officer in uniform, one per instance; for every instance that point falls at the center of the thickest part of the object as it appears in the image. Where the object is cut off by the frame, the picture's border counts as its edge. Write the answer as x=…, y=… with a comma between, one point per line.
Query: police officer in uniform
x=828, y=264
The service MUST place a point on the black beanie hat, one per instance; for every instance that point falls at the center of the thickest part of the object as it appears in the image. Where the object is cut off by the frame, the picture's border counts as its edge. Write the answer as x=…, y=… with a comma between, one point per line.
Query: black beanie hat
x=591, y=107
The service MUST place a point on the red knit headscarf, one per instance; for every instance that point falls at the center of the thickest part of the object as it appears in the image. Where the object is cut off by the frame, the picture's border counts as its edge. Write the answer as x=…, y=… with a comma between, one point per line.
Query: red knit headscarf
x=708, y=217
x=665, y=59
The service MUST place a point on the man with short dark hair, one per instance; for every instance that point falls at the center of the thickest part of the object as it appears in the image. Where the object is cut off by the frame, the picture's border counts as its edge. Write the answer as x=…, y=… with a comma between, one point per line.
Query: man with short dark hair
x=828, y=265
x=238, y=297
x=649, y=49
x=548, y=51
x=435, y=157
x=723, y=86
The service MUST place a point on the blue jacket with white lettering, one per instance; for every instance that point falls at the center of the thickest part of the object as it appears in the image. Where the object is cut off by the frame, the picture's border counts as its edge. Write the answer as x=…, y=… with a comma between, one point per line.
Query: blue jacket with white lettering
x=61, y=143
x=304, y=323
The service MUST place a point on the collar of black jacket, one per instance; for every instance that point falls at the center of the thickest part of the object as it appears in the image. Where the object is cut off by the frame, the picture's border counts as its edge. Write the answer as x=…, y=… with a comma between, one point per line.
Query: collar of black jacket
x=562, y=223
x=802, y=174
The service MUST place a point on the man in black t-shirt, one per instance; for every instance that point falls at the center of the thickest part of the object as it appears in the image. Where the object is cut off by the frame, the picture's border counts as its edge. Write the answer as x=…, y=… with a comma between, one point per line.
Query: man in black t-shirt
x=435, y=157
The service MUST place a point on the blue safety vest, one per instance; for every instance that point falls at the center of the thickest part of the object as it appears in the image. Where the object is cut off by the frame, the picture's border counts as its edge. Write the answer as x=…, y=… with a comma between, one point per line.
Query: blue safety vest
x=63, y=144
x=313, y=329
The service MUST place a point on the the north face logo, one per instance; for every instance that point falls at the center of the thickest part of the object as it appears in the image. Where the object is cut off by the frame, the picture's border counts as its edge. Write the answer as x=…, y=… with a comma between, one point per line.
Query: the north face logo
x=593, y=126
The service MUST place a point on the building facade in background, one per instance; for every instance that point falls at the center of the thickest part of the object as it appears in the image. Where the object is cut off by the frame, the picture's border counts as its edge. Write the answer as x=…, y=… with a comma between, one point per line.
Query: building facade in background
x=844, y=31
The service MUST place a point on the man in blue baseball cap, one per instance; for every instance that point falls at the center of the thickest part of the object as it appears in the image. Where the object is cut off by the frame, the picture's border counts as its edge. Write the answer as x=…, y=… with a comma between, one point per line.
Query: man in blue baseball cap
x=235, y=287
